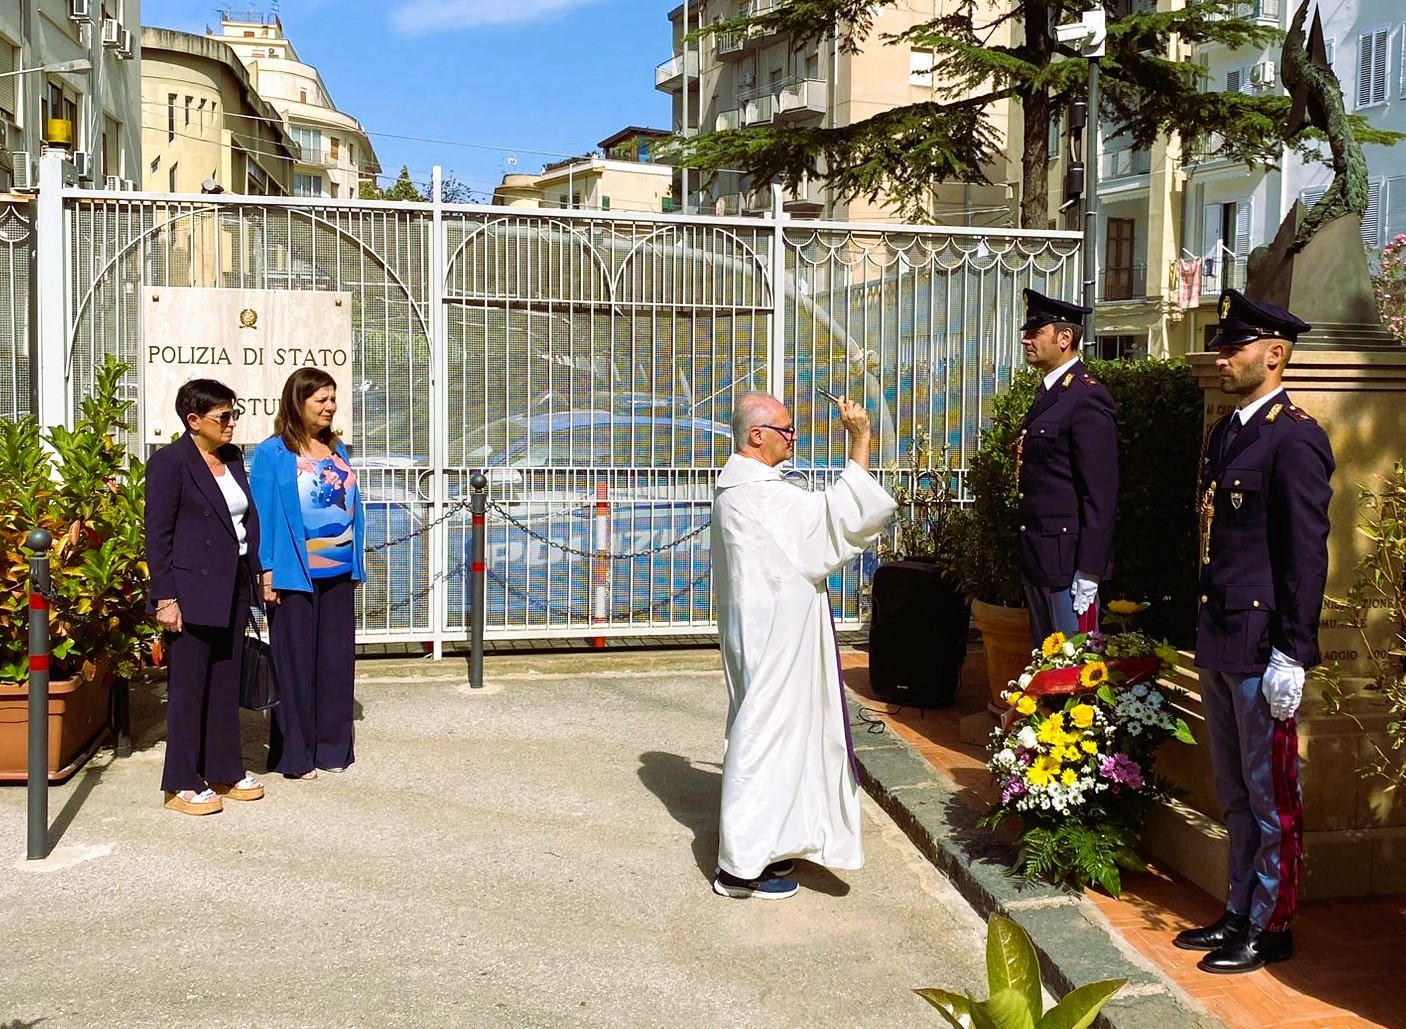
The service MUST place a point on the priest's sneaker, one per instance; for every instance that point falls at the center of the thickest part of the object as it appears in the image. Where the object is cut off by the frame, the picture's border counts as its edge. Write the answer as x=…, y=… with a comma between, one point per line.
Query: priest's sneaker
x=765, y=888
x=1254, y=948
x=1211, y=937
x=779, y=869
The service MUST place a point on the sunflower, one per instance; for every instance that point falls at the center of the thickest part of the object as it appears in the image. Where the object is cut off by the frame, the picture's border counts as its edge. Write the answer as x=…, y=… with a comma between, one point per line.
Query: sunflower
x=1053, y=644
x=1124, y=607
x=1092, y=674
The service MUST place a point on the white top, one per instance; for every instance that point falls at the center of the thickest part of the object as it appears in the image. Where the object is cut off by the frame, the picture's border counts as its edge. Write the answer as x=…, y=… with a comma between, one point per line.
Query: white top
x=238, y=503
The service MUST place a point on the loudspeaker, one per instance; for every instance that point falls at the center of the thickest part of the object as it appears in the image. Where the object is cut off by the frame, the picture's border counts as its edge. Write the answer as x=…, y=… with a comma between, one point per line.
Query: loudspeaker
x=917, y=635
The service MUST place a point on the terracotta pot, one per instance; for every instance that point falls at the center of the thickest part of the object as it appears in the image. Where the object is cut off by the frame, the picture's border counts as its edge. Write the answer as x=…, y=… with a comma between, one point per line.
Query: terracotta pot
x=1005, y=638
x=77, y=720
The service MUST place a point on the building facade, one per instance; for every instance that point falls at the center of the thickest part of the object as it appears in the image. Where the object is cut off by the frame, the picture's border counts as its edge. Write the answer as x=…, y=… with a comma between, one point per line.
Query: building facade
x=76, y=62
x=621, y=175
x=335, y=150
x=739, y=79
x=206, y=126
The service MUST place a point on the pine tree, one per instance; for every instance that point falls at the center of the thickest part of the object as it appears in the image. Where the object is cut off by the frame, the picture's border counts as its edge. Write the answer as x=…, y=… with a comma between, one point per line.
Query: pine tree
x=901, y=153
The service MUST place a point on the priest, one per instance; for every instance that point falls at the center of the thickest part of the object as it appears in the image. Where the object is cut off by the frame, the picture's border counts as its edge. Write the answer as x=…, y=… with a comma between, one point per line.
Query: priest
x=790, y=787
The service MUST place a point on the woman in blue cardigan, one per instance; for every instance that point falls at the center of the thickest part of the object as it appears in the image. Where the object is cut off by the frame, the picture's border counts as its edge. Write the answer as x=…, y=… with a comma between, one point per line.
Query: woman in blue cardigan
x=311, y=550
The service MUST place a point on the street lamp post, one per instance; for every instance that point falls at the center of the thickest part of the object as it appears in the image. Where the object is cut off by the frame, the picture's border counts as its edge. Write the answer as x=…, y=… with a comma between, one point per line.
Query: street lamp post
x=1089, y=34
x=77, y=64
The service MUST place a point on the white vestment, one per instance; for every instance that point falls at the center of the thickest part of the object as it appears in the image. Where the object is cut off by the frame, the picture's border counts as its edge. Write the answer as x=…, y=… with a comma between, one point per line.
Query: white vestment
x=788, y=788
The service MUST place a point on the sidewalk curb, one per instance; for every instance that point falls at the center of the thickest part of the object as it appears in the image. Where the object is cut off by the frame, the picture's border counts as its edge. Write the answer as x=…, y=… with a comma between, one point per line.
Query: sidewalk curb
x=1075, y=943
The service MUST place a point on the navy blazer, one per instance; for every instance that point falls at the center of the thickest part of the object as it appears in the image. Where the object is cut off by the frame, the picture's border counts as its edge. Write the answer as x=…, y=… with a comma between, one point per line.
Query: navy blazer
x=1265, y=563
x=192, y=552
x=1067, y=485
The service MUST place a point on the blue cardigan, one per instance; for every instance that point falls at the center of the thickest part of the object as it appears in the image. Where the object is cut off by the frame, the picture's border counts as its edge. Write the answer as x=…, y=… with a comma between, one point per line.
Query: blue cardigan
x=283, y=546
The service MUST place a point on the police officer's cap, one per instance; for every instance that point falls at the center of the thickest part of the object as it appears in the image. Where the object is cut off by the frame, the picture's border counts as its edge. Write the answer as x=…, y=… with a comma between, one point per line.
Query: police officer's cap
x=1243, y=320
x=1041, y=310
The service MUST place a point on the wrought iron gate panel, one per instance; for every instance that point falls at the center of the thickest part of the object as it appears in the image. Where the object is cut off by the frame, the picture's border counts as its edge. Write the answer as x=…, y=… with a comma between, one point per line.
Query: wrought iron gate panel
x=16, y=252
x=586, y=362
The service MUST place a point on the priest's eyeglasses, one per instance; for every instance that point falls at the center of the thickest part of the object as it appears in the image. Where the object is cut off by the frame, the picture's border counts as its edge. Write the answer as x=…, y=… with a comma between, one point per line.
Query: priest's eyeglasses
x=789, y=431
x=224, y=417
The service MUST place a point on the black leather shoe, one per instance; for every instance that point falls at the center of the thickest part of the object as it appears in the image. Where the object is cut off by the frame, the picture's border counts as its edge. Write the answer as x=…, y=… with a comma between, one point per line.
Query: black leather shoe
x=1253, y=949
x=1211, y=937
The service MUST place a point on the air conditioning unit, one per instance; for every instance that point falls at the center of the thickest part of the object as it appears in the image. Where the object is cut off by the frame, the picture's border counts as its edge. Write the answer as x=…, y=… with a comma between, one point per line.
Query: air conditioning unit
x=23, y=175
x=129, y=186
x=112, y=182
x=748, y=78
x=83, y=164
x=80, y=11
x=124, y=45
x=112, y=33
x=1262, y=74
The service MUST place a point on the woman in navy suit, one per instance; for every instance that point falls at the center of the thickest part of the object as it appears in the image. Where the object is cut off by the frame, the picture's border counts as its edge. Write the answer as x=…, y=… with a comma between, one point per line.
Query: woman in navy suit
x=202, y=552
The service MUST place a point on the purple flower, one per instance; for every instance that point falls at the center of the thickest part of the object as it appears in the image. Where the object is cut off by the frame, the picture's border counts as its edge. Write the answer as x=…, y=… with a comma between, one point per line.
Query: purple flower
x=1097, y=643
x=1013, y=788
x=1122, y=769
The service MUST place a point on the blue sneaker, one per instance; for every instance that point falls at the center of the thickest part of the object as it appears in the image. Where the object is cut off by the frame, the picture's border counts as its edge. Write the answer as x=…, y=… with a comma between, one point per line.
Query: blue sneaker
x=779, y=869
x=766, y=888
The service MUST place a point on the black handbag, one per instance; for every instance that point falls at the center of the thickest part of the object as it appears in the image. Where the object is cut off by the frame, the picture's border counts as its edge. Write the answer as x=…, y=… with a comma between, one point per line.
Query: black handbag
x=258, y=682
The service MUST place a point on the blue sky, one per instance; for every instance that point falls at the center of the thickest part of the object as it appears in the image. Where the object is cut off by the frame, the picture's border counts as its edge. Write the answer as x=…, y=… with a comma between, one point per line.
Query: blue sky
x=473, y=82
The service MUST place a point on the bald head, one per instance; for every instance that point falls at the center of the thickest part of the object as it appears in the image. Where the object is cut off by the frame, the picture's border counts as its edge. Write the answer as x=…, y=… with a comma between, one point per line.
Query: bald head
x=752, y=409
x=761, y=428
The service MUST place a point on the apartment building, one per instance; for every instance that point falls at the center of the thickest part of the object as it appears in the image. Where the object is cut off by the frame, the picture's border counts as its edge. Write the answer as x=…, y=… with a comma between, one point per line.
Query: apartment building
x=1177, y=226
x=70, y=69
x=621, y=175
x=206, y=127
x=739, y=79
x=335, y=150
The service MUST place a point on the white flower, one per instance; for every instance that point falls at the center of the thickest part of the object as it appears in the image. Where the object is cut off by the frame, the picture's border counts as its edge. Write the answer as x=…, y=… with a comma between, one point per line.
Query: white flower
x=1068, y=649
x=1024, y=680
x=1154, y=698
x=1026, y=737
x=1139, y=690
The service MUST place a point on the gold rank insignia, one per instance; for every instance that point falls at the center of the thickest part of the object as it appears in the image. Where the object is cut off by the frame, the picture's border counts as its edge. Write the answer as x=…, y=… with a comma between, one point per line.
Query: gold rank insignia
x=1224, y=307
x=1273, y=413
x=1236, y=499
x=1067, y=380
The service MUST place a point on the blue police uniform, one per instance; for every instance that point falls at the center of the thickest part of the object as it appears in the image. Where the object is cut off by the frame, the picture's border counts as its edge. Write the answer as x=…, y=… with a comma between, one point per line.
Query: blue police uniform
x=1263, y=510
x=1067, y=483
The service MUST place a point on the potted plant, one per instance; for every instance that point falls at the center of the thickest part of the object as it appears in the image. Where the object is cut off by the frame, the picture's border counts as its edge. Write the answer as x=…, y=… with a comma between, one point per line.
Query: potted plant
x=986, y=541
x=87, y=491
x=919, y=615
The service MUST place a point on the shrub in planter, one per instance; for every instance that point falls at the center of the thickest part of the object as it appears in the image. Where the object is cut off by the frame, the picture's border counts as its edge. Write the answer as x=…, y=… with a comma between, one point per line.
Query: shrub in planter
x=1154, y=537
x=88, y=493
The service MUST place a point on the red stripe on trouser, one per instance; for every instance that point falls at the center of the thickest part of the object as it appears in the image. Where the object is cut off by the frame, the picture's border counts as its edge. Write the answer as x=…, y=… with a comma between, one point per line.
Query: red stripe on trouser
x=1288, y=806
x=1088, y=621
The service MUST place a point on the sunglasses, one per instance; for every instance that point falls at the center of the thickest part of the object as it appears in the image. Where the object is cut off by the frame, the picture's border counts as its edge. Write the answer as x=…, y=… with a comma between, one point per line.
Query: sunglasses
x=789, y=431
x=224, y=417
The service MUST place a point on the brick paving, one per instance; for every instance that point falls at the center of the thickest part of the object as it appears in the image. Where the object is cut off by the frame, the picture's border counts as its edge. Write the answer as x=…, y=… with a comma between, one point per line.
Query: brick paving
x=1346, y=970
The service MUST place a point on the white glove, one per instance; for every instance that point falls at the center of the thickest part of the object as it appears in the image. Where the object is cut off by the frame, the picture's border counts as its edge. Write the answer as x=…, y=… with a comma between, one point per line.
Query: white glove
x=1084, y=591
x=1282, y=685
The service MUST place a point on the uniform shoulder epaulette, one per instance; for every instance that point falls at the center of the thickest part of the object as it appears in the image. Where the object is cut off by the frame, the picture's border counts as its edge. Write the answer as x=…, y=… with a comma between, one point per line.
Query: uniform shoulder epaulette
x=1089, y=380
x=1298, y=414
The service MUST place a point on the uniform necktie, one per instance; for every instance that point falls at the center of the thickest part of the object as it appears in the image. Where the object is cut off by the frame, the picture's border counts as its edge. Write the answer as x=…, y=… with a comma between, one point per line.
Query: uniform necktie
x=1231, y=431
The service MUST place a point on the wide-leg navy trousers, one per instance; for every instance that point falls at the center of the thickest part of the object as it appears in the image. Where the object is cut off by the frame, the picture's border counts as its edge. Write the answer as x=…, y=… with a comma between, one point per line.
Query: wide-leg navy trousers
x=202, y=699
x=313, y=639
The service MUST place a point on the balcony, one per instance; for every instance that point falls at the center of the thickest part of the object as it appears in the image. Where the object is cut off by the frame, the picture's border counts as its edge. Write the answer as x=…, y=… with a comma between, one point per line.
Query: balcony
x=730, y=46
x=1223, y=271
x=1128, y=283
x=798, y=99
x=731, y=204
x=727, y=120
x=807, y=198
x=757, y=201
x=759, y=110
x=669, y=77
x=1120, y=164
x=757, y=37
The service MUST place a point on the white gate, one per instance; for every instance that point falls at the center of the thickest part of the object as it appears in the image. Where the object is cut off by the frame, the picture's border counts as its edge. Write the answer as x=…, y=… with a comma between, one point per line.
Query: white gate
x=586, y=363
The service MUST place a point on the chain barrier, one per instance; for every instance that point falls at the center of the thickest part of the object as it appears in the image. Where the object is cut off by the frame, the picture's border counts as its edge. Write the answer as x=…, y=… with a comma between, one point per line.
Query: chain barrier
x=649, y=552
x=570, y=615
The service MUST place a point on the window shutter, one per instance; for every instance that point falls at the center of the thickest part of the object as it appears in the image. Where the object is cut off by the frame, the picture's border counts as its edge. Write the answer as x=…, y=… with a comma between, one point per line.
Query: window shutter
x=1211, y=234
x=1235, y=80
x=1371, y=68
x=1242, y=227
x=7, y=85
x=1372, y=217
x=1395, y=206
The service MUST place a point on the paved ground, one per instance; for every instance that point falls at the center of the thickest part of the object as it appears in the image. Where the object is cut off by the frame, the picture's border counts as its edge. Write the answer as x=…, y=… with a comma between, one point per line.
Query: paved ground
x=534, y=854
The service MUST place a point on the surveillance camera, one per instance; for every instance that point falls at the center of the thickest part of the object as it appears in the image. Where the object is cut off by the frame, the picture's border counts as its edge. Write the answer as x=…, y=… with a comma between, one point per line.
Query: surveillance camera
x=1074, y=32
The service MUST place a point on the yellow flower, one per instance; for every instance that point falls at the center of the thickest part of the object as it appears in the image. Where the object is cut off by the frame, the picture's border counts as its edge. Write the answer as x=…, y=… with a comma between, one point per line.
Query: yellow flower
x=1124, y=607
x=1089, y=747
x=1051, y=731
x=1043, y=771
x=1025, y=706
x=1053, y=644
x=1013, y=697
x=1092, y=674
x=1068, y=777
x=1069, y=754
x=1082, y=715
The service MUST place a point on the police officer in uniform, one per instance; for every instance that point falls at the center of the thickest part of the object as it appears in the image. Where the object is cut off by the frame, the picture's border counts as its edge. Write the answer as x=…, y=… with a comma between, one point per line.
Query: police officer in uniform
x=1067, y=474
x=1264, y=559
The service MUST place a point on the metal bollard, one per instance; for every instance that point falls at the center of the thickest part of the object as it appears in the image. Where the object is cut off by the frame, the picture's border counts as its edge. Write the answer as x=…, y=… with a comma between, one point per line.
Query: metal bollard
x=478, y=506
x=37, y=769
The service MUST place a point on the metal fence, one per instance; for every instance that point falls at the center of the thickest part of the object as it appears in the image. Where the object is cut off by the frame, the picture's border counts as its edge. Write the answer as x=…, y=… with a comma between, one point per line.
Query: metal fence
x=587, y=363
